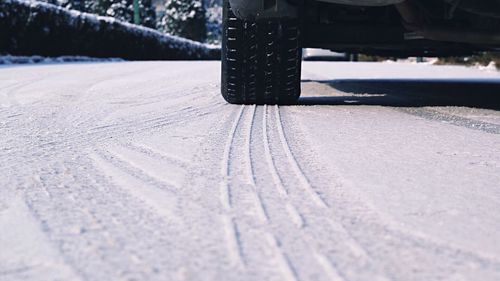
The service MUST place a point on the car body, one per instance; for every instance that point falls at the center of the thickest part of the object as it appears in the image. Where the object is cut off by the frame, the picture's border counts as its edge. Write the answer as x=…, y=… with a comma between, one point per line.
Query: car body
x=395, y=28
x=392, y=27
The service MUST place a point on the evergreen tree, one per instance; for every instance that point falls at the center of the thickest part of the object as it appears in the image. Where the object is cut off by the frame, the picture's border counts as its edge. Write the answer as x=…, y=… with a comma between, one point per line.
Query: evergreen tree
x=214, y=21
x=185, y=18
x=119, y=9
x=124, y=10
x=88, y=6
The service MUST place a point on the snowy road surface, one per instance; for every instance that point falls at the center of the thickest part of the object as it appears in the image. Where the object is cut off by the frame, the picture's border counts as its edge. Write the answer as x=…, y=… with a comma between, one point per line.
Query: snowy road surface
x=140, y=171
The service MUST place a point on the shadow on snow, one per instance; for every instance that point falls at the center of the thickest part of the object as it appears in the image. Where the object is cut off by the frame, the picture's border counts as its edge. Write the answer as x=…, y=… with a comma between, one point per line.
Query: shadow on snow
x=483, y=94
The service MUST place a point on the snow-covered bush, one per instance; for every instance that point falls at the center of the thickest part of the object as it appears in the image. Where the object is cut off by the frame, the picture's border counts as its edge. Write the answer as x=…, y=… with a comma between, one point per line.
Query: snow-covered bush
x=185, y=18
x=214, y=21
x=36, y=28
x=178, y=17
x=119, y=9
x=63, y=59
x=124, y=10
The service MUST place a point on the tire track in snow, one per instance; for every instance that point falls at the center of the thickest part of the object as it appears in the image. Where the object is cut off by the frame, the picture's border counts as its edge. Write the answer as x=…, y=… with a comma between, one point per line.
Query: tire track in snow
x=10, y=90
x=63, y=201
x=154, y=197
x=400, y=235
x=248, y=147
x=284, y=264
x=174, y=99
x=151, y=122
x=95, y=133
x=293, y=214
x=371, y=224
x=122, y=218
x=41, y=243
x=136, y=172
x=328, y=268
x=232, y=242
x=269, y=158
x=104, y=133
x=295, y=165
x=143, y=166
x=111, y=229
x=225, y=192
x=319, y=216
x=349, y=242
x=259, y=205
x=160, y=155
x=87, y=91
x=240, y=172
x=141, y=123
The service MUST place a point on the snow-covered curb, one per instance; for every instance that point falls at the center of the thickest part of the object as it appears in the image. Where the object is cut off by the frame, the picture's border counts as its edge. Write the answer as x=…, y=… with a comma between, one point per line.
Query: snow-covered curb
x=32, y=27
x=8, y=59
x=491, y=67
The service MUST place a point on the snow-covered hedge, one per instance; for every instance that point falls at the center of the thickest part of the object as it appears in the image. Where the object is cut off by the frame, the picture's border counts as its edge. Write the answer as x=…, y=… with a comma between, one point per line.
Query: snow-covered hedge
x=36, y=28
x=8, y=59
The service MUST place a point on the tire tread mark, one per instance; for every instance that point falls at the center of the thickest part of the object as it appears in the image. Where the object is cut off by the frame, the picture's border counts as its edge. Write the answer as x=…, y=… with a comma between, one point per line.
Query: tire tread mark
x=232, y=242
x=155, y=153
x=285, y=265
x=270, y=161
x=135, y=172
x=294, y=164
x=259, y=205
x=146, y=193
x=225, y=196
x=248, y=148
x=139, y=167
x=328, y=268
x=295, y=215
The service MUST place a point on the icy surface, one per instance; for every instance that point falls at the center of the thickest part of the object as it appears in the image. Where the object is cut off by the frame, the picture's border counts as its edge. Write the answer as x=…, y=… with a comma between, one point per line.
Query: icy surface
x=127, y=170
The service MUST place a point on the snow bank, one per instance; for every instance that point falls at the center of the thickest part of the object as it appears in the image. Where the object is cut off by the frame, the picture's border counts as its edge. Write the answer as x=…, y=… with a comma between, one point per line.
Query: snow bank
x=31, y=27
x=62, y=59
x=492, y=67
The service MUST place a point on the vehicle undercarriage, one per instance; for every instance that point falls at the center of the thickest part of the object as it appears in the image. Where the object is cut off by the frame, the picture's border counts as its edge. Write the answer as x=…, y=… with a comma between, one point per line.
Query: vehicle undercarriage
x=272, y=32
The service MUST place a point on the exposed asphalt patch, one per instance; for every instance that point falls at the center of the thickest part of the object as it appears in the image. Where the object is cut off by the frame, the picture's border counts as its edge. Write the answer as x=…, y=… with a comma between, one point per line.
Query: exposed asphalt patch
x=433, y=115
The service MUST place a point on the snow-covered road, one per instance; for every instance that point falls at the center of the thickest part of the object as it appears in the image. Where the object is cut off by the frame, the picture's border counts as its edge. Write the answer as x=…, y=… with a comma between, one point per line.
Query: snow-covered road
x=140, y=171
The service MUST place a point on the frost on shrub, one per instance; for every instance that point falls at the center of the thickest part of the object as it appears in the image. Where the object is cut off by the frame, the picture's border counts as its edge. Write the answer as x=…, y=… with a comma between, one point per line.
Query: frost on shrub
x=185, y=18
x=120, y=9
x=214, y=21
x=35, y=28
x=124, y=10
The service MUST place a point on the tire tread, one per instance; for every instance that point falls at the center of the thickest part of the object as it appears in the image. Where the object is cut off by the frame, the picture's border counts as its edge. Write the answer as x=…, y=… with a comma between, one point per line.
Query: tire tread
x=261, y=60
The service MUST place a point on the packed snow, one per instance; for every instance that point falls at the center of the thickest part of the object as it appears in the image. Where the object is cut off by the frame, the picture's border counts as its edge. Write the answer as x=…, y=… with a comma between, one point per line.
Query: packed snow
x=139, y=170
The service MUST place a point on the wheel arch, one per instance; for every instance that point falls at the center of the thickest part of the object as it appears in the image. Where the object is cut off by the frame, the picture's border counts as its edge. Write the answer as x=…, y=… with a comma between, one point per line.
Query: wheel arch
x=265, y=9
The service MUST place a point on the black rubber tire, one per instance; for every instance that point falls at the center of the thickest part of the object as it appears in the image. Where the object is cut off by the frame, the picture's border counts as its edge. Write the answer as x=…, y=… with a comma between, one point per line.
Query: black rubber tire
x=261, y=61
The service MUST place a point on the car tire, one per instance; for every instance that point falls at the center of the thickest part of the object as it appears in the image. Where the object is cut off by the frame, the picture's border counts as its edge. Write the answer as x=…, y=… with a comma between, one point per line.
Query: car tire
x=261, y=61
